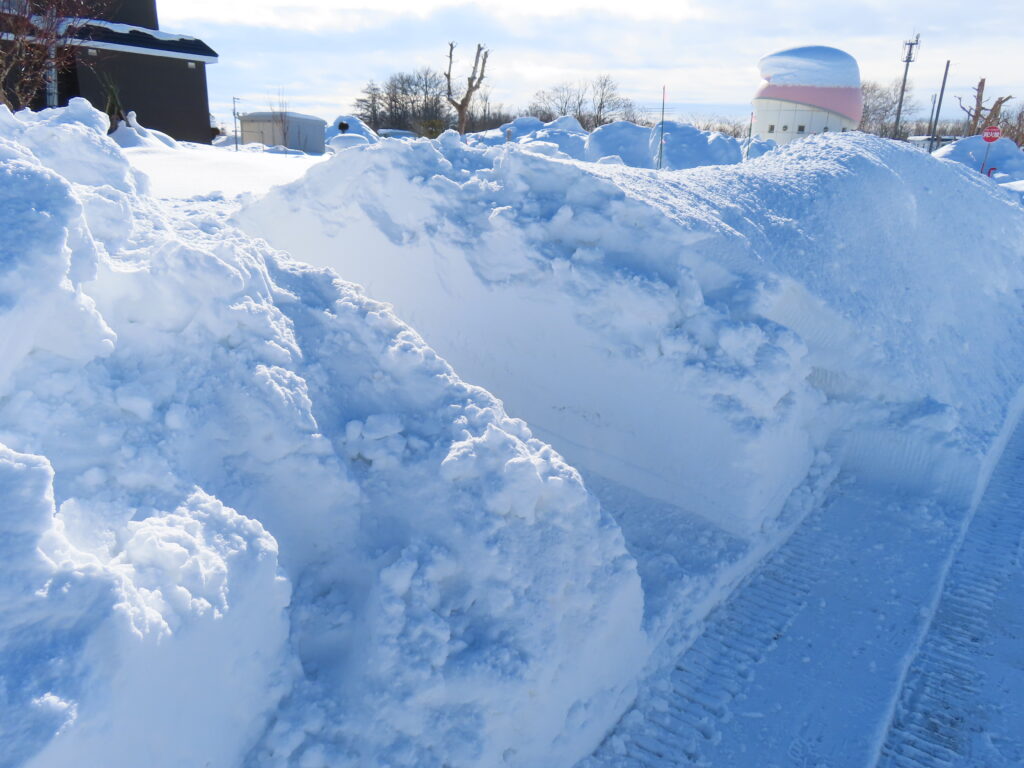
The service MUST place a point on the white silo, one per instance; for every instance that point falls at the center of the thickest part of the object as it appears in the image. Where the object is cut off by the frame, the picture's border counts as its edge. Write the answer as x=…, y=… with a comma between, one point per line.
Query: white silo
x=814, y=89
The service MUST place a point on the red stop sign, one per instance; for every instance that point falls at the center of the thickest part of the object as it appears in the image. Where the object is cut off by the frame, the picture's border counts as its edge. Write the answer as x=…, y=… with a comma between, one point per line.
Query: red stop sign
x=991, y=133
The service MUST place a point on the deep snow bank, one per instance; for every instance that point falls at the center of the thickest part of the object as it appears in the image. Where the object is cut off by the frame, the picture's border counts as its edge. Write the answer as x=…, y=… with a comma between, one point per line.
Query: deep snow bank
x=696, y=336
x=681, y=145
x=249, y=516
x=1003, y=156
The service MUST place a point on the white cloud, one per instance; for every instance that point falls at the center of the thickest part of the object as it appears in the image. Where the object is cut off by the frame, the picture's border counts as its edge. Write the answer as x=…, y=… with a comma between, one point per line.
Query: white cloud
x=322, y=54
x=354, y=15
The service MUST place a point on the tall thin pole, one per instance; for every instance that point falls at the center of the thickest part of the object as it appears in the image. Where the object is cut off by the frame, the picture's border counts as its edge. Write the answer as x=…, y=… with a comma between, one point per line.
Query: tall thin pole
x=234, y=115
x=988, y=146
x=938, y=109
x=750, y=136
x=909, y=55
x=931, y=113
x=661, y=142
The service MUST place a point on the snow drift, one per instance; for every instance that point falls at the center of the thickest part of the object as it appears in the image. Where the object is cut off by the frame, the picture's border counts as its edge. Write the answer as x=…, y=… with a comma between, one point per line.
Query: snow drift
x=251, y=518
x=685, y=146
x=1004, y=157
x=695, y=336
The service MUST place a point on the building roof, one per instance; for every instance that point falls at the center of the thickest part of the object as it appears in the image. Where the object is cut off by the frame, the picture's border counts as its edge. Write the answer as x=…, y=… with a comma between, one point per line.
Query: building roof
x=815, y=76
x=817, y=65
x=265, y=116
x=108, y=35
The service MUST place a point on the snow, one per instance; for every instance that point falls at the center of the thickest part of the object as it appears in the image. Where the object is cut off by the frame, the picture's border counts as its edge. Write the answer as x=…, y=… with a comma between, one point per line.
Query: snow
x=130, y=134
x=1003, y=155
x=815, y=65
x=685, y=145
x=717, y=295
x=356, y=127
x=217, y=172
x=253, y=518
x=125, y=29
x=280, y=115
x=250, y=515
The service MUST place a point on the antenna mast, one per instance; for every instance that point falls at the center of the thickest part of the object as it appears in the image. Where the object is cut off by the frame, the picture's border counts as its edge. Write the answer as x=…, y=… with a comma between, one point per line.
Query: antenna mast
x=909, y=54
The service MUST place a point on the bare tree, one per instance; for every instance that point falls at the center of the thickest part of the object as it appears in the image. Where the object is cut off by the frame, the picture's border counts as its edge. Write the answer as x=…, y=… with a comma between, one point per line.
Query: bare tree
x=1012, y=123
x=279, y=121
x=370, y=107
x=37, y=42
x=484, y=114
x=593, y=104
x=880, y=105
x=461, y=100
x=562, y=99
x=978, y=112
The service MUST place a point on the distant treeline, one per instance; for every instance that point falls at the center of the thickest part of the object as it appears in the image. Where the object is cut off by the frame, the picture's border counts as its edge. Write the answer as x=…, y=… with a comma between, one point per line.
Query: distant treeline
x=415, y=101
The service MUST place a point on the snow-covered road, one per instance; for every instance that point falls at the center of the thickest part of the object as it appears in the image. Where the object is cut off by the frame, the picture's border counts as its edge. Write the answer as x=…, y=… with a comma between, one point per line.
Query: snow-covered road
x=960, y=704
x=807, y=663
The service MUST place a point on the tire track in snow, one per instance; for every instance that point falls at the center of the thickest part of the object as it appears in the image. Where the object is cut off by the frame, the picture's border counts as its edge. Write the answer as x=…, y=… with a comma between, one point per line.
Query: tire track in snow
x=939, y=713
x=682, y=716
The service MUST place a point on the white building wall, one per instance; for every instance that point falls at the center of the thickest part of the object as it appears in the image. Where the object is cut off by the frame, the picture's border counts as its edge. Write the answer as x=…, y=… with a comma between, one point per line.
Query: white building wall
x=295, y=133
x=782, y=120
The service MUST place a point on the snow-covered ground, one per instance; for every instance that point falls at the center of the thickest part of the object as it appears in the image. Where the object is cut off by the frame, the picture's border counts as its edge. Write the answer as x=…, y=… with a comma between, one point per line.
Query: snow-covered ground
x=253, y=518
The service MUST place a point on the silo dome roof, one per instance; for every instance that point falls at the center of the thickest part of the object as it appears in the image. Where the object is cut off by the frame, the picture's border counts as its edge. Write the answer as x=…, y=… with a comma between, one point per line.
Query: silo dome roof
x=816, y=65
x=816, y=76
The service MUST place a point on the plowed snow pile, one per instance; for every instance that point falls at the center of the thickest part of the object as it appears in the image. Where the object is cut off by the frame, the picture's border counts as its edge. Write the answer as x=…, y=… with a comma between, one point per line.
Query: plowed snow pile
x=249, y=516
x=697, y=336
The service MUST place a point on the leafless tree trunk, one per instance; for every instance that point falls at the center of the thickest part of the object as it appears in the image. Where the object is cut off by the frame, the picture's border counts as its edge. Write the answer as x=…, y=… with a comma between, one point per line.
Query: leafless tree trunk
x=993, y=114
x=979, y=112
x=35, y=40
x=974, y=113
x=461, y=101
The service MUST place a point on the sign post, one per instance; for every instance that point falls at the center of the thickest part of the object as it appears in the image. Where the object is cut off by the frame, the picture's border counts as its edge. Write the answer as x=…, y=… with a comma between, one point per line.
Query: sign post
x=990, y=134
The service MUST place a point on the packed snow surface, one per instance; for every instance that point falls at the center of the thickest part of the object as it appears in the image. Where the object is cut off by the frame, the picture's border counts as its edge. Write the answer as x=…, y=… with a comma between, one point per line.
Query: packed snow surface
x=816, y=65
x=251, y=517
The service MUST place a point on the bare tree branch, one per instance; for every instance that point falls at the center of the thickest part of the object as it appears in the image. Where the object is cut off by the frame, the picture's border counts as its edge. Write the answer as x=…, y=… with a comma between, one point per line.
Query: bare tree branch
x=36, y=39
x=460, y=102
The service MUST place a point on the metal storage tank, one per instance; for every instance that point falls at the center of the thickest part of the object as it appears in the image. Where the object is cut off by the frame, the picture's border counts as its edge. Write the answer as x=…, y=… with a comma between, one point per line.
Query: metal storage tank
x=286, y=129
x=813, y=89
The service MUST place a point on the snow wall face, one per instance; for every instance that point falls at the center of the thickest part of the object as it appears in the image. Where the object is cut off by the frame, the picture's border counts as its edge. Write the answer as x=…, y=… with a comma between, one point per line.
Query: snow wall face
x=250, y=517
x=697, y=336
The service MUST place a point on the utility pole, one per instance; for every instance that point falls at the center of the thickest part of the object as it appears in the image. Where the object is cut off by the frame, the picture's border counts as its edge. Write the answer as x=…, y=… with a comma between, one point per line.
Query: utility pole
x=750, y=137
x=234, y=115
x=938, y=108
x=661, y=143
x=909, y=54
x=931, y=113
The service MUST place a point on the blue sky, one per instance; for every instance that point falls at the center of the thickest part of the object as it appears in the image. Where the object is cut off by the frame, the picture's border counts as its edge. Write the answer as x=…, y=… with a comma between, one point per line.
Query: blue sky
x=318, y=56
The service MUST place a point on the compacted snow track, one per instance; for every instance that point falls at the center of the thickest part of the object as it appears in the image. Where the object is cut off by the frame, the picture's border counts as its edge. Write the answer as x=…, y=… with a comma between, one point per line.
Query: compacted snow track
x=807, y=663
x=959, y=705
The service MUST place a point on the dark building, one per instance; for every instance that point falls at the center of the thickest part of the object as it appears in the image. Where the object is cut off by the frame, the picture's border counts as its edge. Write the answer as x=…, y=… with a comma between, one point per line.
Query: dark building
x=124, y=59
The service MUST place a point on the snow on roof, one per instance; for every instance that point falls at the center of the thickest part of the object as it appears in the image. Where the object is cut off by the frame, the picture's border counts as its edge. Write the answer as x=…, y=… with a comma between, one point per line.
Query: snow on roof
x=817, y=65
x=277, y=116
x=110, y=35
x=125, y=29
